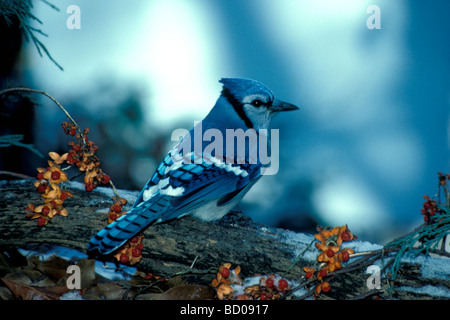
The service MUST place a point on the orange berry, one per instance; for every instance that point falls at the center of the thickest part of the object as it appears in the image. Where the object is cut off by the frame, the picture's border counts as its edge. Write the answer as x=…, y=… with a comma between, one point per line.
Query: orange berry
x=41, y=188
x=116, y=208
x=55, y=175
x=282, y=284
x=40, y=221
x=326, y=287
x=346, y=236
x=225, y=272
x=136, y=252
x=330, y=253
x=45, y=211
x=106, y=179
x=322, y=273
x=124, y=258
x=89, y=186
x=345, y=256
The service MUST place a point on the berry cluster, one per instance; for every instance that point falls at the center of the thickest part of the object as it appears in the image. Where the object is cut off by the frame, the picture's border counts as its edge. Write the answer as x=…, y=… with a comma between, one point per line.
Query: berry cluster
x=223, y=280
x=48, y=185
x=271, y=287
x=50, y=180
x=332, y=255
x=228, y=285
x=82, y=154
x=429, y=209
x=115, y=210
x=131, y=252
x=443, y=179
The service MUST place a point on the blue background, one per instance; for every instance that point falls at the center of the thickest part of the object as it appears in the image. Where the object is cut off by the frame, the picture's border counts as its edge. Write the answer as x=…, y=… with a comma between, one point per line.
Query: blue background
x=367, y=144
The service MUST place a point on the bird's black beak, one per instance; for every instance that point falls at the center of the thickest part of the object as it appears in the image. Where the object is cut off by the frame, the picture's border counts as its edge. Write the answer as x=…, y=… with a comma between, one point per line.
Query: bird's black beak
x=278, y=106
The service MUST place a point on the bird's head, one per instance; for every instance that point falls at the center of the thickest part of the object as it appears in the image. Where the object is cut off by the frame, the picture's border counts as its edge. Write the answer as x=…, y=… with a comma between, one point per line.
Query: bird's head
x=254, y=103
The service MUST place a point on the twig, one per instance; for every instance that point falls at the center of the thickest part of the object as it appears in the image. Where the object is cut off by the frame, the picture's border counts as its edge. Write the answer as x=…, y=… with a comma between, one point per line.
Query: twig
x=185, y=272
x=78, y=128
x=15, y=140
x=367, y=258
x=114, y=189
x=310, y=293
x=367, y=294
x=298, y=258
x=10, y=90
x=14, y=174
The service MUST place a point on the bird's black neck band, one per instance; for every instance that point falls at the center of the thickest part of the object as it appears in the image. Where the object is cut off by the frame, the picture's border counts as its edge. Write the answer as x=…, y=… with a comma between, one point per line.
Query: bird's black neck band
x=238, y=107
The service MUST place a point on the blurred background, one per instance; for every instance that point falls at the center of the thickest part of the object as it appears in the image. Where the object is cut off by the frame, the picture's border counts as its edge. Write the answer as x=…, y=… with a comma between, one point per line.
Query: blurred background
x=366, y=146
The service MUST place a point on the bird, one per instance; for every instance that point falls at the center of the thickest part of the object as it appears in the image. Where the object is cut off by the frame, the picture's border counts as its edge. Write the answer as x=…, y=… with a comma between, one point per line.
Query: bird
x=202, y=184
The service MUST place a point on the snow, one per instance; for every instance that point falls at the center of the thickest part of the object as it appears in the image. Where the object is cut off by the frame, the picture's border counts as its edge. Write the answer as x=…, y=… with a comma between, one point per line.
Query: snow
x=71, y=295
x=108, y=270
x=431, y=267
x=298, y=240
x=361, y=246
x=301, y=240
x=128, y=195
x=434, y=291
x=47, y=251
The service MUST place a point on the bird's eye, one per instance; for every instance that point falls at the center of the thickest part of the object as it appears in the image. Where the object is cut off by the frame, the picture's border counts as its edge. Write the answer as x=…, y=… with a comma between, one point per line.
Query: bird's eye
x=257, y=103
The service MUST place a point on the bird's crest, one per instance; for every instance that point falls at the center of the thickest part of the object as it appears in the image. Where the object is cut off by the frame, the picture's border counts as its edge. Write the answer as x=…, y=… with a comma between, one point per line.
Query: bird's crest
x=240, y=87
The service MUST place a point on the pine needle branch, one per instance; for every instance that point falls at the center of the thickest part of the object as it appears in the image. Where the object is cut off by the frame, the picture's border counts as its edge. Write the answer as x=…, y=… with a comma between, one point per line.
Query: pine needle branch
x=21, y=9
x=15, y=140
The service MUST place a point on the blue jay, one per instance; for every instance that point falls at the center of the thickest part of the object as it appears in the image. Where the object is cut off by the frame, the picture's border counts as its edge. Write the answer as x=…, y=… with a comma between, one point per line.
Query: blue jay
x=201, y=184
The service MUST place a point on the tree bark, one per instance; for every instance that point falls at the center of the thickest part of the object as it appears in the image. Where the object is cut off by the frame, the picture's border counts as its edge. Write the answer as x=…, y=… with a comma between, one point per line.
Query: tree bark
x=172, y=247
x=168, y=248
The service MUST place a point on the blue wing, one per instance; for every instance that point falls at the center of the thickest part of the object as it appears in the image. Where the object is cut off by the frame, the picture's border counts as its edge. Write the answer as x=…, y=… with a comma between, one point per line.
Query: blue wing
x=177, y=188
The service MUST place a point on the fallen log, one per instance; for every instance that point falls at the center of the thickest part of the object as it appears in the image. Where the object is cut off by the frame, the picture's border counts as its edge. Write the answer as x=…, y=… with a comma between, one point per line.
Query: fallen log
x=172, y=247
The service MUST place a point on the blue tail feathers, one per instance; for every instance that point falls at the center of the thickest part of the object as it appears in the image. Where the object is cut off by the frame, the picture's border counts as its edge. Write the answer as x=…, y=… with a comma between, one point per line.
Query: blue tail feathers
x=128, y=226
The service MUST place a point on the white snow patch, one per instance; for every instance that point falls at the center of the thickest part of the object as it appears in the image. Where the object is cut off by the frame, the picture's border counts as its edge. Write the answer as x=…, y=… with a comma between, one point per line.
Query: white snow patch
x=434, y=291
x=128, y=195
x=431, y=267
x=71, y=295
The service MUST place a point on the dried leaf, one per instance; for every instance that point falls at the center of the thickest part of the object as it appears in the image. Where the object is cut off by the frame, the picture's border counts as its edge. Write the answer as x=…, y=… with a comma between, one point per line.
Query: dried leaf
x=54, y=155
x=214, y=283
x=26, y=292
x=335, y=230
x=325, y=233
x=319, y=237
x=224, y=291
x=105, y=291
x=188, y=292
x=87, y=267
x=55, y=267
x=237, y=270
